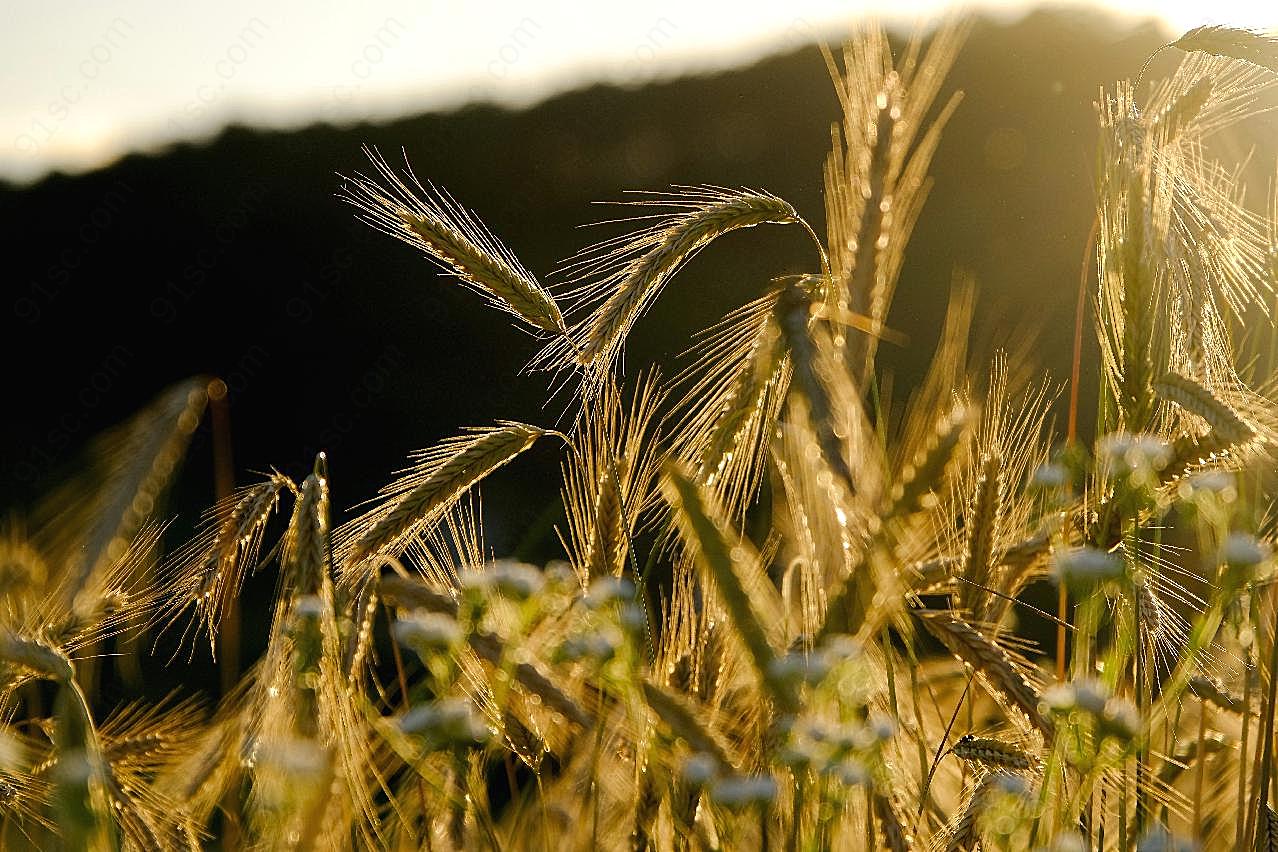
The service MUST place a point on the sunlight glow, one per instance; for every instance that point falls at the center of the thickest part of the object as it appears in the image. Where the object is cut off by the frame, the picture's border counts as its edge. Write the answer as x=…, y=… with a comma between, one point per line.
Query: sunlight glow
x=85, y=86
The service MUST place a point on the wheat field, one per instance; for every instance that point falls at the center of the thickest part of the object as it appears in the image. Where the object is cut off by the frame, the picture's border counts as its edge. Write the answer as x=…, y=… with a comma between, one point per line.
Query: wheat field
x=793, y=608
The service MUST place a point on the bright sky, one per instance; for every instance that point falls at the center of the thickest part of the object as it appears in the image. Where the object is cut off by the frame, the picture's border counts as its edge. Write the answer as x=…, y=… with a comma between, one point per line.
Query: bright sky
x=83, y=82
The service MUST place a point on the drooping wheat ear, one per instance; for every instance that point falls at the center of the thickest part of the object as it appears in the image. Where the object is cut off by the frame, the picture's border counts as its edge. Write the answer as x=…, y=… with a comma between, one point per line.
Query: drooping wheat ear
x=992, y=753
x=306, y=558
x=895, y=837
x=991, y=662
x=413, y=594
x=440, y=477
x=1211, y=690
x=145, y=737
x=36, y=656
x=921, y=477
x=745, y=591
x=978, y=561
x=1234, y=43
x=964, y=833
x=1199, y=400
x=209, y=571
x=689, y=723
x=429, y=219
x=1180, y=113
x=634, y=269
x=794, y=314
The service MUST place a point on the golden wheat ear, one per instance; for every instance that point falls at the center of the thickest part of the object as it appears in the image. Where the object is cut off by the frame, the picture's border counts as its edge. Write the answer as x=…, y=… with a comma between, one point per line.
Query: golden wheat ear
x=745, y=591
x=618, y=279
x=205, y=575
x=1244, y=45
x=609, y=477
x=438, y=479
x=83, y=529
x=429, y=219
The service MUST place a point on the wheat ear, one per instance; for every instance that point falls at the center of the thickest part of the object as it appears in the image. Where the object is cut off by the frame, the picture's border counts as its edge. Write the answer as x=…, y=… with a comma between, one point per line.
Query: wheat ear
x=653, y=256
x=1211, y=690
x=978, y=562
x=794, y=315
x=923, y=474
x=688, y=722
x=429, y=219
x=35, y=655
x=742, y=587
x=1199, y=400
x=1194, y=451
x=145, y=454
x=441, y=476
x=989, y=660
x=1234, y=43
x=964, y=833
x=865, y=294
x=1180, y=113
x=1269, y=839
x=991, y=753
x=306, y=558
x=208, y=572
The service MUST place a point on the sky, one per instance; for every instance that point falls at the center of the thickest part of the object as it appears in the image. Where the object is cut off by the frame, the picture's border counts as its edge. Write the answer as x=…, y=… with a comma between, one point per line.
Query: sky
x=82, y=83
